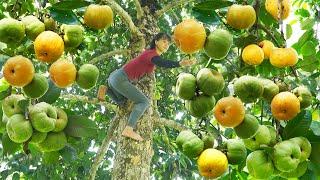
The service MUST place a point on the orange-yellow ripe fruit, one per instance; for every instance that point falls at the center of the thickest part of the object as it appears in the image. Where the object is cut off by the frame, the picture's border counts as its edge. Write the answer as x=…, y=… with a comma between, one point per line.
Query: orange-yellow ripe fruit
x=252, y=54
x=63, y=73
x=98, y=16
x=285, y=106
x=241, y=16
x=283, y=57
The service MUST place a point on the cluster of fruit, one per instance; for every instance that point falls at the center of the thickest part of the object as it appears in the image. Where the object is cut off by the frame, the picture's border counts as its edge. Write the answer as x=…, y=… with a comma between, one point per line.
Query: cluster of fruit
x=198, y=91
x=43, y=125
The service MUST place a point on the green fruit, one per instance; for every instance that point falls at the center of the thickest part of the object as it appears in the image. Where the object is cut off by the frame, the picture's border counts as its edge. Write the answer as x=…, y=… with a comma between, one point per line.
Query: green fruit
x=37, y=87
x=19, y=129
x=33, y=26
x=10, y=105
x=286, y=156
x=298, y=172
x=270, y=89
x=62, y=120
x=87, y=76
x=260, y=165
x=54, y=141
x=208, y=141
x=304, y=96
x=52, y=94
x=43, y=117
x=11, y=31
x=262, y=137
x=248, y=88
x=210, y=82
x=38, y=137
x=50, y=157
x=305, y=147
x=49, y=23
x=186, y=86
x=190, y=144
x=273, y=135
x=73, y=35
x=248, y=127
x=283, y=86
x=237, y=151
x=5, y=119
x=218, y=44
x=201, y=105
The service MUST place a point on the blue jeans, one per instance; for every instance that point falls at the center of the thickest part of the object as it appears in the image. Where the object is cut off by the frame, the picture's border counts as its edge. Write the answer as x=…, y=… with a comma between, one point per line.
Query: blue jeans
x=120, y=89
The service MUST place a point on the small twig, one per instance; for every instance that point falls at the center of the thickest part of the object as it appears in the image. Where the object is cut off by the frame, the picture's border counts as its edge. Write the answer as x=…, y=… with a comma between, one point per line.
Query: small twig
x=124, y=52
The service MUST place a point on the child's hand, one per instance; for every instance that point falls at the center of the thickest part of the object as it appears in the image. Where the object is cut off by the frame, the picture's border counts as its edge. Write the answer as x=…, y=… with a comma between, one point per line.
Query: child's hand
x=188, y=62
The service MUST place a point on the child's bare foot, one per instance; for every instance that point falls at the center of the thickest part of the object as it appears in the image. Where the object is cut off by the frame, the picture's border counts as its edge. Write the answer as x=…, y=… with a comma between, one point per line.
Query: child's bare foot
x=102, y=93
x=128, y=132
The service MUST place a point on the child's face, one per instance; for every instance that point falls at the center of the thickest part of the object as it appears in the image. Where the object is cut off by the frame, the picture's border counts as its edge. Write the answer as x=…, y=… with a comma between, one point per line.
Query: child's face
x=163, y=44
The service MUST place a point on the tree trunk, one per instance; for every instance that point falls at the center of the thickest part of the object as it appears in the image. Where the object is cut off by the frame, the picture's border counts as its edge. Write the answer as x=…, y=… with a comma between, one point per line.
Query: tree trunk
x=133, y=159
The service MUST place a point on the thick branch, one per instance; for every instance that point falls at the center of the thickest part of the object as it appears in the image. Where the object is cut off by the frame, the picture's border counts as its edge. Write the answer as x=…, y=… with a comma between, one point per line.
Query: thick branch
x=169, y=123
x=103, y=148
x=124, y=52
x=138, y=9
x=124, y=15
x=172, y=5
x=90, y=101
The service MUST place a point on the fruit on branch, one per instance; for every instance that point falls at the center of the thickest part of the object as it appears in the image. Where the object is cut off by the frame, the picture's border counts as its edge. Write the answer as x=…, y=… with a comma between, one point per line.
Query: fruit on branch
x=278, y=9
x=54, y=141
x=210, y=81
x=236, y=151
x=63, y=73
x=19, y=129
x=10, y=105
x=212, y=163
x=304, y=96
x=98, y=16
x=62, y=120
x=73, y=35
x=18, y=71
x=248, y=88
x=208, y=141
x=283, y=57
x=286, y=156
x=285, y=106
x=241, y=16
x=298, y=172
x=252, y=54
x=248, y=127
x=11, y=31
x=50, y=23
x=189, y=36
x=43, y=117
x=37, y=137
x=200, y=105
x=189, y=143
x=87, y=76
x=229, y=111
x=273, y=135
x=48, y=46
x=305, y=147
x=270, y=89
x=260, y=165
x=262, y=137
x=37, y=87
x=218, y=44
x=267, y=47
x=186, y=86
x=33, y=26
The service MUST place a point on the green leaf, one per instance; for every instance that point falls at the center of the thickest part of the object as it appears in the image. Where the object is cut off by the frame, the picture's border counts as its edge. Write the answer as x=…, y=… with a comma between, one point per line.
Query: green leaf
x=4, y=85
x=213, y=5
x=16, y=176
x=302, y=12
x=309, y=175
x=52, y=94
x=3, y=59
x=315, y=127
x=242, y=41
x=5, y=93
x=307, y=24
x=303, y=39
x=288, y=31
x=206, y=16
x=68, y=153
x=24, y=104
x=308, y=49
x=50, y=157
x=70, y=4
x=64, y=16
x=9, y=147
x=80, y=126
x=309, y=63
x=298, y=126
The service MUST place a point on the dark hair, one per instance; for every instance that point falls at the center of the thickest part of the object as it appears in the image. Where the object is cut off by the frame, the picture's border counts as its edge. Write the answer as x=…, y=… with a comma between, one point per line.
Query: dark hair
x=157, y=37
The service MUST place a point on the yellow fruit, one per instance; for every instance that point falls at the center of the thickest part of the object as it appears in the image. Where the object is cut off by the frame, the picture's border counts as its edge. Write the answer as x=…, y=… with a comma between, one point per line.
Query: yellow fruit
x=273, y=8
x=229, y=111
x=189, y=36
x=267, y=47
x=283, y=57
x=48, y=46
x=241, y=16
x=98, y=17
x=18, y=71
x=212, y=163
x=63, y=73
x=252, y=54
x=285, y=106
